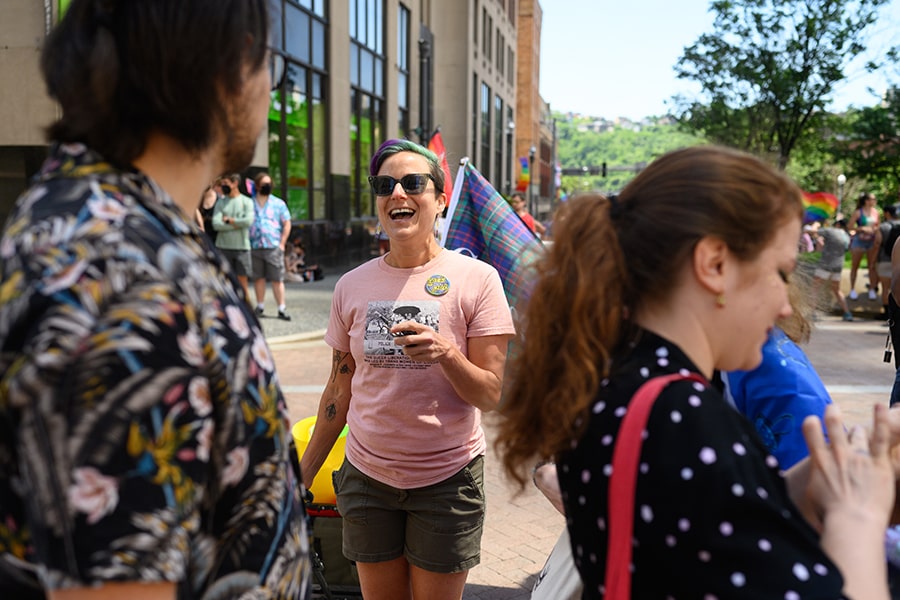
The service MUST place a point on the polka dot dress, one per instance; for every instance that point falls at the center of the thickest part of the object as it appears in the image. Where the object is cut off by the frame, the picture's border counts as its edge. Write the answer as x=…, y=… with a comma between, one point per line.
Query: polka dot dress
x=712, y=516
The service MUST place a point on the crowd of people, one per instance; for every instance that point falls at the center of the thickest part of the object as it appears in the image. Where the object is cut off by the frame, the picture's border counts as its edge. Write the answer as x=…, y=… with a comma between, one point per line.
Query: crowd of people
x=868, y=234
x=146, y=450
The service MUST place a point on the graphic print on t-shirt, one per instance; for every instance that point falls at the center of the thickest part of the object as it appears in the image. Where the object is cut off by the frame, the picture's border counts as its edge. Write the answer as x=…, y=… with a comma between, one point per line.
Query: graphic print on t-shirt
x=381, y=315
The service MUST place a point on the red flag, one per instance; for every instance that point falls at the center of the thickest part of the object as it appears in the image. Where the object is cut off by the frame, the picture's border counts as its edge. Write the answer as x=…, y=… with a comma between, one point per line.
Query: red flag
x=436, y=145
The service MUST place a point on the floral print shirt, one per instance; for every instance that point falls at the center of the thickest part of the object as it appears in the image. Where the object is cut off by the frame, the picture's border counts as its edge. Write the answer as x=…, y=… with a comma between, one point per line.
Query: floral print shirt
x=143, y=433
x=268, y=223
x=712, y=516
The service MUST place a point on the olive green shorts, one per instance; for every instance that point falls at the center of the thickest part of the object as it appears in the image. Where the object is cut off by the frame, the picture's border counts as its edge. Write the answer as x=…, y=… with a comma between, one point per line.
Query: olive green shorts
x=437, y=527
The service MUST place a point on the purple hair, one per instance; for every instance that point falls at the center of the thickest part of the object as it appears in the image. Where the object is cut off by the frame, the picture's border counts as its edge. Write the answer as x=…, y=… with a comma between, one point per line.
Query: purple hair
x=394, y=146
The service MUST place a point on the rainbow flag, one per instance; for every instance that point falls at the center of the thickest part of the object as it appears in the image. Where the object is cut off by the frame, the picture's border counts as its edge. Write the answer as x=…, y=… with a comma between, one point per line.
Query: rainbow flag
x=524, y=175
x=819, y=206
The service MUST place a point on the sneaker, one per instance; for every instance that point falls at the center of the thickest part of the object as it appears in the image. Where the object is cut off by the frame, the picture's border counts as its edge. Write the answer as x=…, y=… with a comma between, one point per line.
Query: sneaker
x=259, y=311
x=873, y=295
x=284, y=316
x=848, y=316
x=853, y=295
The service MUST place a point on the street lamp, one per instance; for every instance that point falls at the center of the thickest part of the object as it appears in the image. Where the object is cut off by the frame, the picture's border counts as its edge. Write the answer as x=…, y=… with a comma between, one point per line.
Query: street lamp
x=841, y=180
x=510, y=129
x=531, y=152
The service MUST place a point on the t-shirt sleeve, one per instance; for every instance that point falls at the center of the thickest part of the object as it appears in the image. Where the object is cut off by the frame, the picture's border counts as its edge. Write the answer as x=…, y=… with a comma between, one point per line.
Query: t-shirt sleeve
x=492, y=315
x=338, y=333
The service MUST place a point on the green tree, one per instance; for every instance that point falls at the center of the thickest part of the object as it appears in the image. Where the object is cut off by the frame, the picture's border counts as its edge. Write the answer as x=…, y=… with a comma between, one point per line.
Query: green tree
x=769, y=68
x=870, y=147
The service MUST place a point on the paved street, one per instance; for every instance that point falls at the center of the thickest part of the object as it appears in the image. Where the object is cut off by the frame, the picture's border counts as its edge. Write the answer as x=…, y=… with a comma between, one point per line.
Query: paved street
x=521, y=528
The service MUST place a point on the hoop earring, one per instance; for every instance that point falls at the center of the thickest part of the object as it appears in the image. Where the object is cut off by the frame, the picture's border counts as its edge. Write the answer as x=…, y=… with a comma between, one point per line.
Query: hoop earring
x=720, y=300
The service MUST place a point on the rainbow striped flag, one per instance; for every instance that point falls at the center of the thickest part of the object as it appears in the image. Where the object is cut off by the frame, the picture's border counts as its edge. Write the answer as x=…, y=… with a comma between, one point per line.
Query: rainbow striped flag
x=524, y=175
x=819, y=206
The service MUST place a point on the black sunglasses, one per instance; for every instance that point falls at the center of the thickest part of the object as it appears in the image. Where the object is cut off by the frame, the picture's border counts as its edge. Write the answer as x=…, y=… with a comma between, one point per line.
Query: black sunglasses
x=414, y=183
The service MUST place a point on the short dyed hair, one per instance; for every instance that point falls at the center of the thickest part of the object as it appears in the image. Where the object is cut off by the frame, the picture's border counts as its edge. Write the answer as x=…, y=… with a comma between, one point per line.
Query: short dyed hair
x=395, y=146
x=121, y=70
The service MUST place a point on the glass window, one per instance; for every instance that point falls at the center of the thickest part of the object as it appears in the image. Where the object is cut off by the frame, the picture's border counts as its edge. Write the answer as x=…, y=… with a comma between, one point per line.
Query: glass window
x=366, y=70
x=475, y=25
x=354, y=64
x=298, y=133
x=498, y=139
x=353, y=24
x=319, y=151
x=297, y=151
x=475, y=111
x=366, y=99
x=318, y=45
x=372, y=32
x=403, y=71
x=379, y=76
x=297, y=38
x=486, y=131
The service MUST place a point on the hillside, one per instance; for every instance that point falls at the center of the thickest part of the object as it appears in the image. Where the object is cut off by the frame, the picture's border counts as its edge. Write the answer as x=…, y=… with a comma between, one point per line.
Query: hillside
x=625, y=146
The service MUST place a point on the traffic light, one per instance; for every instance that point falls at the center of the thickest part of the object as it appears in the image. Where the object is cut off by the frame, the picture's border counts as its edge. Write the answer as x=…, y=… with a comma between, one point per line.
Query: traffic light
x=603, y=168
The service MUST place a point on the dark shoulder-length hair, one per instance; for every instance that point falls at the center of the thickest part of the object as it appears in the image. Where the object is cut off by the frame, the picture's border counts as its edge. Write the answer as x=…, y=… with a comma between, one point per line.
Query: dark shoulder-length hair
x=122, y=69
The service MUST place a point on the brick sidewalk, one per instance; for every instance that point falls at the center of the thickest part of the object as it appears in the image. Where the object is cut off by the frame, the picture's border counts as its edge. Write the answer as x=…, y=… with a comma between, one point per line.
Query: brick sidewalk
x=521, y=529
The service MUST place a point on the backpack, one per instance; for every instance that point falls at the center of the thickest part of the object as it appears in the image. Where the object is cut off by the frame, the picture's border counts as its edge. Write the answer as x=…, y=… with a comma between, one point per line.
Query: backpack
x=887, y=244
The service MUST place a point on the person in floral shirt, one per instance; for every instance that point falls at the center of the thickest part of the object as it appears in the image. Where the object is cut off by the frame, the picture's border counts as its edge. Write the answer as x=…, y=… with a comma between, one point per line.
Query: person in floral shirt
x=145, y=448
x=269, y=235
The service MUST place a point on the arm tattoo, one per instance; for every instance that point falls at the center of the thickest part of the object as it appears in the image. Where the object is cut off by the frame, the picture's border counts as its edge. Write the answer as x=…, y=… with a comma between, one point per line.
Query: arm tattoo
x=330, y=411
x=338, y=365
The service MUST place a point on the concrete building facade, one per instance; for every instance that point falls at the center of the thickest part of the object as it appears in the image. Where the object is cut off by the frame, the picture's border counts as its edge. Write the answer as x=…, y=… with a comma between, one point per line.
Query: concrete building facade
x=358, y=72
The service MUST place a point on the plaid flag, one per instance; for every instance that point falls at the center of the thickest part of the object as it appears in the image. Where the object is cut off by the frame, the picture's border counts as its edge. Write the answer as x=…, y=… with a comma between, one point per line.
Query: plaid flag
x=482, y=223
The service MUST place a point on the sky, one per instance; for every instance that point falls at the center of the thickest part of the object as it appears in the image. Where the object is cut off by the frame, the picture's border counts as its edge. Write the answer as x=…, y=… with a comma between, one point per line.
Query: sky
x=615, y=58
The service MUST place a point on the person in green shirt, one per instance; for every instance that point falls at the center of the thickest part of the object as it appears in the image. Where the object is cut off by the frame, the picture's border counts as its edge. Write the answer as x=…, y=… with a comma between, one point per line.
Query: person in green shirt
x=232, y=218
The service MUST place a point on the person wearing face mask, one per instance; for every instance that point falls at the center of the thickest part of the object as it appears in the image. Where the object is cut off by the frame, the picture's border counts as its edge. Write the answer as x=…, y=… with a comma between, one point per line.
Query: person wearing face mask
x=269, y=233
x=232, y=217
x=419, y=337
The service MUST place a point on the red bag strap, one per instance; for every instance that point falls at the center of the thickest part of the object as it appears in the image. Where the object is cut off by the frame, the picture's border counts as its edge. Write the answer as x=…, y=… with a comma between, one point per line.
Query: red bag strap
x=623, y=481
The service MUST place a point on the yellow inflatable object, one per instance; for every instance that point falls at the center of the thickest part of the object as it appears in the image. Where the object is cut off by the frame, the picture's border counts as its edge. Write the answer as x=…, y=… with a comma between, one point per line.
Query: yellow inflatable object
x=322, y=488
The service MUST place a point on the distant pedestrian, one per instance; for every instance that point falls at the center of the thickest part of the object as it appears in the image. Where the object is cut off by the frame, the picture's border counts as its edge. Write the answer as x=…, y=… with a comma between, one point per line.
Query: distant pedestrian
x=207, y=207
x=833, y=243
x=269, y=235
x=517, y=200
x=885, y=239
x=864, y=223
x=232, y=217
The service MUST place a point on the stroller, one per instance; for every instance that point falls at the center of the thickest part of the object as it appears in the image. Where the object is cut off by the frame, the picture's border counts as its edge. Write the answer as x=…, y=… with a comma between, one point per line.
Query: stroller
x=334, y=577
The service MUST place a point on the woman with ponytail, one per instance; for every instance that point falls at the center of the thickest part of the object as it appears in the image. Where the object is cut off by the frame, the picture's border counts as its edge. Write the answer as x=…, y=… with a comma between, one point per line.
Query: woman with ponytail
x=684, y=273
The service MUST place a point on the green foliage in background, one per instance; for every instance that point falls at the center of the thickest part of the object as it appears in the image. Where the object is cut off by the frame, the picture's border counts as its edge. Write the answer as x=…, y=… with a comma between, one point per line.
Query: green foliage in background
x=632, y=146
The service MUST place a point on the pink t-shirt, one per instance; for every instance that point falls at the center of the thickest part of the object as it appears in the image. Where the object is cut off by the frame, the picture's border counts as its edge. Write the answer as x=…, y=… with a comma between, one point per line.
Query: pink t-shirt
x=408, y=427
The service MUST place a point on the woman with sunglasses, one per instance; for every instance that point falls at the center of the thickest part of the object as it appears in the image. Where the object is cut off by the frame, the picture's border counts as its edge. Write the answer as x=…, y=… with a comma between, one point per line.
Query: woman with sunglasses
x=419, y=337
